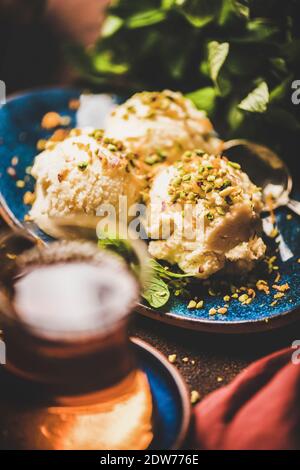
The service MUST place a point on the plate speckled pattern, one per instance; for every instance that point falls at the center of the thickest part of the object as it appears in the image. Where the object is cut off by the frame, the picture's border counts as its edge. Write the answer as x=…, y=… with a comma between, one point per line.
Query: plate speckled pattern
x=20, y=130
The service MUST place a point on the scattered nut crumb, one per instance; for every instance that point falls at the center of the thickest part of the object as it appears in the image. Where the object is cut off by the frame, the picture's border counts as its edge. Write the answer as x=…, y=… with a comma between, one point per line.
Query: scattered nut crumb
x=74, y=104
x=212, y=311
x=28, y=198
x=41, y=144
x=59, y=135
x=50, y=120
x=185, y=359
x=11, y=255
x=279, y=295
x=219, y=379
x=192, y=304
x=11, y=171
x=243, y=298
x=222, y=310
x=172, y=358
x=20, y=184
x=15, y=161
x=195, y=397
x=282, y=288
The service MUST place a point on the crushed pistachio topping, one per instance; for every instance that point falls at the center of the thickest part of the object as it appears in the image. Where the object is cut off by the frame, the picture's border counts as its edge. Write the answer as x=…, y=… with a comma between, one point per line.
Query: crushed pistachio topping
x=167, y=103
x=212, y=179
x=82, y=166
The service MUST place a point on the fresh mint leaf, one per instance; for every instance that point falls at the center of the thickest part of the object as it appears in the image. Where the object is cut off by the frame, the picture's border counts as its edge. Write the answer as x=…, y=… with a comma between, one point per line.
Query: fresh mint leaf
x=217, y=53
x=199, y=14
x=104, y=63
x=111, y=25
x=164, y=272
x=257, y=101
x=121, y=247
x=204, y=98
x=147, y=18
x=156, y=292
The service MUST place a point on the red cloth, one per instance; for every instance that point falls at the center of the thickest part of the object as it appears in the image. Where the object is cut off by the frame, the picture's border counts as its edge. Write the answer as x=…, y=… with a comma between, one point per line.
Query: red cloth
x=260, y=409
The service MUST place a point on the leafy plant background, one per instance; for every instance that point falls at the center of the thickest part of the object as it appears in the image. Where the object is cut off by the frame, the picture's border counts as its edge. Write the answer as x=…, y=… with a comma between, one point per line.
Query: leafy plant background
x=236, y=59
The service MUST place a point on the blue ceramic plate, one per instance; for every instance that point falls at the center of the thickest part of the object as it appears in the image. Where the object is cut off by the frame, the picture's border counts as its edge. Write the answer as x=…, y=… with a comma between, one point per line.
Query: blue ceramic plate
x=20, y=130
x=172, y=410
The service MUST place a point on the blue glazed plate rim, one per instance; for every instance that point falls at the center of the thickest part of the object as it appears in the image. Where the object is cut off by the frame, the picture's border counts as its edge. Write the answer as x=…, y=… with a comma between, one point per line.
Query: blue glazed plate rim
x=218, y=326
x=206, y=325
x=180, y=385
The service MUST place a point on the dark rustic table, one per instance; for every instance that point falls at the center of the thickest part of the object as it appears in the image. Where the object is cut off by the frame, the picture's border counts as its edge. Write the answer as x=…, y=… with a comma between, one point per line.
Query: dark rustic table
x=213, y=359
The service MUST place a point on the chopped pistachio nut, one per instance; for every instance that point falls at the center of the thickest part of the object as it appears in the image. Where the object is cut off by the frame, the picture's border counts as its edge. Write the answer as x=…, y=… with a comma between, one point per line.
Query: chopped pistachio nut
x=226, y=298
x=28, y=198
x=172, y=358
x=20, y=184
x=222, y=310
x=195, y=397
x=234, y=165
x=278, y=277
x=11, y=256
x=274, y=233
x=82, y=166
x=15, y=161
x=243, y=297
x=192, y=304
x=279, y=295
x=282, y=288
x=200, y=304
